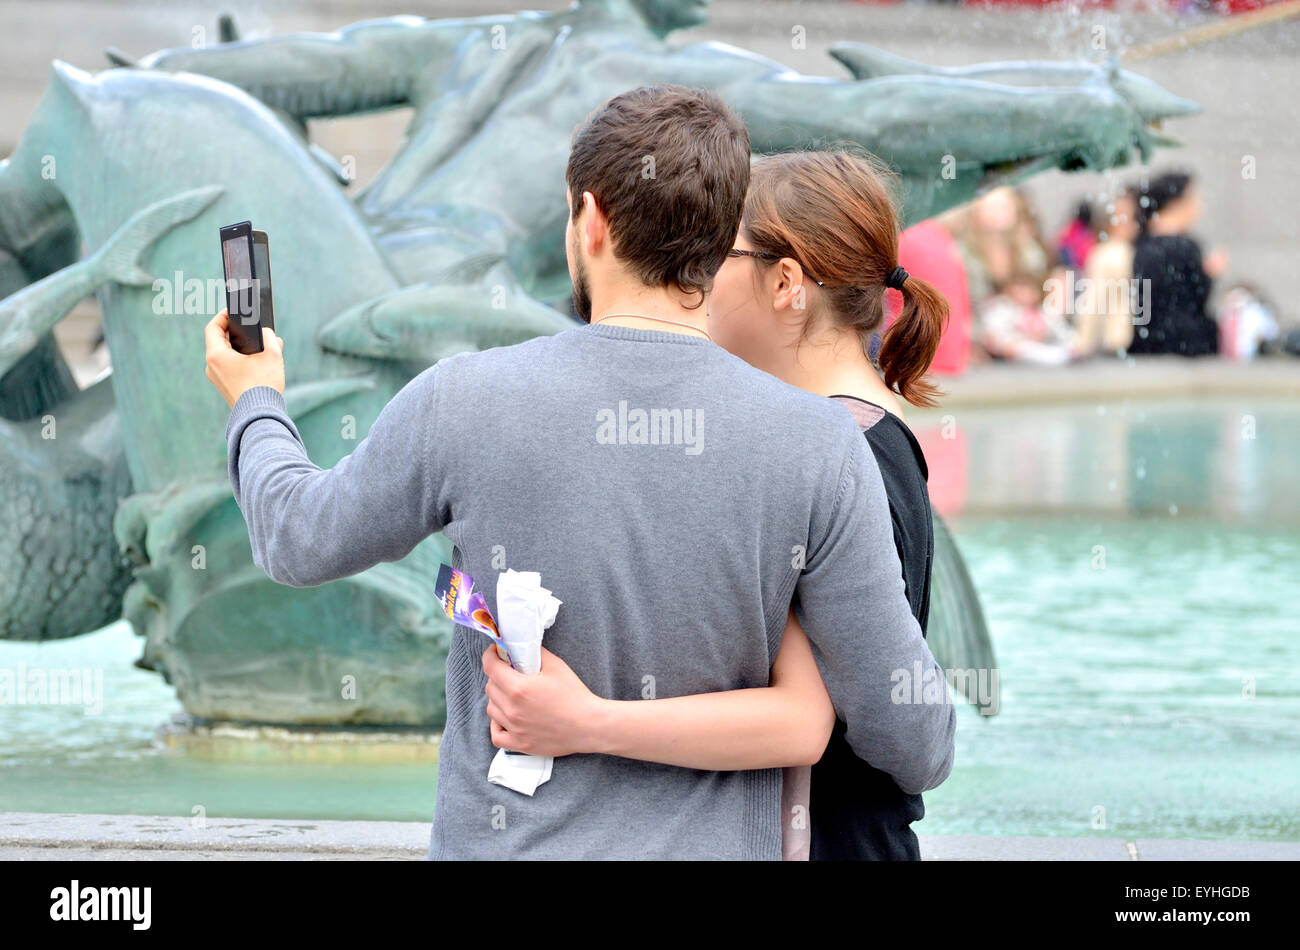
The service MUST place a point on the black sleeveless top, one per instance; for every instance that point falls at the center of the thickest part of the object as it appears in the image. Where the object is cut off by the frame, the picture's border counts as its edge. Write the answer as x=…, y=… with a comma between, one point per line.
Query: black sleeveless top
x=856, y=812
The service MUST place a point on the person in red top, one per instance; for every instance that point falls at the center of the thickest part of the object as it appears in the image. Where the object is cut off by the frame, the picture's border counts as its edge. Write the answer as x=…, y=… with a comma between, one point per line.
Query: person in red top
x=928, y=251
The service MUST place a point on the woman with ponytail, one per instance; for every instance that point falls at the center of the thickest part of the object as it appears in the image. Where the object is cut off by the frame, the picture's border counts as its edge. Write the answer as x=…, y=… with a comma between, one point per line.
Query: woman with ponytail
x=801, y=296
x=821, y=232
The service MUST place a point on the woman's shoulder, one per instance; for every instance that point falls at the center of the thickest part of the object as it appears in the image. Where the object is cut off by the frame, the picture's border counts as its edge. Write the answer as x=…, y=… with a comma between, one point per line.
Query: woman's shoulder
x=892, y=437
x=892, y=441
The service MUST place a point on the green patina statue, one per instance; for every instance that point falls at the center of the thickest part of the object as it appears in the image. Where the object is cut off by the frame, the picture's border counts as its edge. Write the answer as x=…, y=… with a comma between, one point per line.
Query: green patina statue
x=115, y=499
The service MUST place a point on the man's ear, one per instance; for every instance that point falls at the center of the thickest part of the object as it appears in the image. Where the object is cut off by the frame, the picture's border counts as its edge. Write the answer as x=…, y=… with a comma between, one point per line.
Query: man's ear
x=595, y=226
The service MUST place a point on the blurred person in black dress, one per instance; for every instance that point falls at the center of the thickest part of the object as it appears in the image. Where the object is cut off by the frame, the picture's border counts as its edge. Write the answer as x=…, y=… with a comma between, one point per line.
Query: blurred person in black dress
x=1174, y=276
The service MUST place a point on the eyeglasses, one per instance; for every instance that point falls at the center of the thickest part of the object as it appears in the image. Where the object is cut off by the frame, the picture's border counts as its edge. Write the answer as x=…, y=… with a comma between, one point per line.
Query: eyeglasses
x=765, y=256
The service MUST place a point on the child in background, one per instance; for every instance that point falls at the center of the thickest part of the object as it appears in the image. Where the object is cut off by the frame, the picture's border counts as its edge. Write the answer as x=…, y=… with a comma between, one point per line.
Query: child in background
x=1020, y=325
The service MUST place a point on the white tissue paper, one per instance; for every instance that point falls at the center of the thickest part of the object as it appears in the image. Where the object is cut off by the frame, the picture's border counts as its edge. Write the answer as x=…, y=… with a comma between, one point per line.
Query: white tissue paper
x=524, y=609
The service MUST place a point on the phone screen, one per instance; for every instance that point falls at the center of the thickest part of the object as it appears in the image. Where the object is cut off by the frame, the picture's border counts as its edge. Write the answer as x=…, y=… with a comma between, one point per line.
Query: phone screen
x=262, y=268
x=242, y=304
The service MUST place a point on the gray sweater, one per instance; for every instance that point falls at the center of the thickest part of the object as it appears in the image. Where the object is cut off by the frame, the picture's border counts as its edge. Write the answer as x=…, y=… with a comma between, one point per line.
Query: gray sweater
x=675, y=499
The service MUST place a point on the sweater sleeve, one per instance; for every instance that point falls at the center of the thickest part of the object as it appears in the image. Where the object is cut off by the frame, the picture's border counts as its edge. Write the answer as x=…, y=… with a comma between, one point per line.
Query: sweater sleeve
x=881, y=676
x=309, y=525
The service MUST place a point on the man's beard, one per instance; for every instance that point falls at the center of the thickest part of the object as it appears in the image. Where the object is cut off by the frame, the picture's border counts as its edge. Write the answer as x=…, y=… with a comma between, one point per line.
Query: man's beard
x=581, y=293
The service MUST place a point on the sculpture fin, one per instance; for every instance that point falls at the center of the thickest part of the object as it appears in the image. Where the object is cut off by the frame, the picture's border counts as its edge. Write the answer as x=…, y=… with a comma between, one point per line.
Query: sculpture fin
x=424, y=323
x=147, y=526
x=116, y=57
x=325, y=160
x=957, y=632
x=120, y=258
x=227, y=32
x=867, y=62
x=303, y=398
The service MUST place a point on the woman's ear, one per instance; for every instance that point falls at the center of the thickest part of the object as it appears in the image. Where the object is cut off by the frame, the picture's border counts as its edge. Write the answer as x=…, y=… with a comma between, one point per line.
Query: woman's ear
x=788, y=290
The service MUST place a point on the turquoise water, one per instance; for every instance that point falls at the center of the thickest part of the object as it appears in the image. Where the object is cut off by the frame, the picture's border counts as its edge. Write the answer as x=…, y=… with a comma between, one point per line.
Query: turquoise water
x=1138, y=566
x=1126, y=688
x=55, y=758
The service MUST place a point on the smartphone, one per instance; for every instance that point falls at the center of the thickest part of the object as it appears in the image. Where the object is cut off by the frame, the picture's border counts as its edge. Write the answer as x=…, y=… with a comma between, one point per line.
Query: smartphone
x=242, y=297
x=262, y=271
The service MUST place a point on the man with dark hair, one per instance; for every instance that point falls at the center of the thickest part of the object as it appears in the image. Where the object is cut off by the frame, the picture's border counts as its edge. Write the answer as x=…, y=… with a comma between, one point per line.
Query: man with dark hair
x=658, y=156
x=672, y=496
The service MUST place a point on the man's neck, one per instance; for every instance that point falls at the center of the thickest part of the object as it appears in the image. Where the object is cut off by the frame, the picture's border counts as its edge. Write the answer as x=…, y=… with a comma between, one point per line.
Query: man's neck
x=658, y=309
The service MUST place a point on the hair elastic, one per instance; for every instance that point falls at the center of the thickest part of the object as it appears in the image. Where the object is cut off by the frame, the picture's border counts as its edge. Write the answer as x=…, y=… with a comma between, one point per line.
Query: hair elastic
x=896, y=278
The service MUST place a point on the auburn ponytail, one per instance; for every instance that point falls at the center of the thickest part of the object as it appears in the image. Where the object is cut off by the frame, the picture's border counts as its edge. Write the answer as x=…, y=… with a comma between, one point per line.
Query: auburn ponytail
x=834, y=212
x=911, y=340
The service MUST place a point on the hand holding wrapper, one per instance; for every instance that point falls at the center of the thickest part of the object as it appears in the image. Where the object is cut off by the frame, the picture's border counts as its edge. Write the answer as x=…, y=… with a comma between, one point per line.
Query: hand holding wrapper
x=525, y=609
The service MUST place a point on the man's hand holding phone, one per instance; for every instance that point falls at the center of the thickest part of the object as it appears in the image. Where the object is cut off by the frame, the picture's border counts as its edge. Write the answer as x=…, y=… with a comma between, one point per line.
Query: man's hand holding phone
x=233, y=373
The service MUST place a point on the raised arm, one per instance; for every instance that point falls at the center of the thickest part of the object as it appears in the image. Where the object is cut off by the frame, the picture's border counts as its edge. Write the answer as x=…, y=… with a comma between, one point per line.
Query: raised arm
x=366, y=66
x=309, y=525
x=552, y=713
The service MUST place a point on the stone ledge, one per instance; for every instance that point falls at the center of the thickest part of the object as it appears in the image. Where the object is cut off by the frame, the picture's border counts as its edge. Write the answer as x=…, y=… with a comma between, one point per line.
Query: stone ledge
x=252, y=742
x=50, y=837
x=180, y=836
x=990, y=848
x=1156, y=377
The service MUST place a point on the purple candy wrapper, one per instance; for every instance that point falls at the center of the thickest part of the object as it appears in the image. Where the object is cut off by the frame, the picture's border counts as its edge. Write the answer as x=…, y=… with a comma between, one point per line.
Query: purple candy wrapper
x=466, y=606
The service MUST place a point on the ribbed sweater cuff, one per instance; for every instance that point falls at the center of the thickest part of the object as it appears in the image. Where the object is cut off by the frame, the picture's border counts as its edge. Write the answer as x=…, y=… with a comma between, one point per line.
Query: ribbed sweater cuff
x=254, y=402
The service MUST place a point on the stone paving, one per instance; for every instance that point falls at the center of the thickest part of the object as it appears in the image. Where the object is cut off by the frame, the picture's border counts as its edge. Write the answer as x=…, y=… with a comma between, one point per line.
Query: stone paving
x=47, y=837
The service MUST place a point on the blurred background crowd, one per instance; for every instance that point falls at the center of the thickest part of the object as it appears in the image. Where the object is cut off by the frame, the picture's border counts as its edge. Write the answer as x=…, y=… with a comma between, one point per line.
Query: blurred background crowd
x=1064, y=268
x=1128, y=274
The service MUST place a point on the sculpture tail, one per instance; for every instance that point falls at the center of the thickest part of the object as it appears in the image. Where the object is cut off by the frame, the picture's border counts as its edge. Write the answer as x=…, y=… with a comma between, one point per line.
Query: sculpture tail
x=121, y=257
x=26, y=317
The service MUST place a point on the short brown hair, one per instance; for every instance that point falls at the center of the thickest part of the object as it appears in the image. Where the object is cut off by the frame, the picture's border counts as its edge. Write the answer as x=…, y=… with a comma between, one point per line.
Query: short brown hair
x=669, y=167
